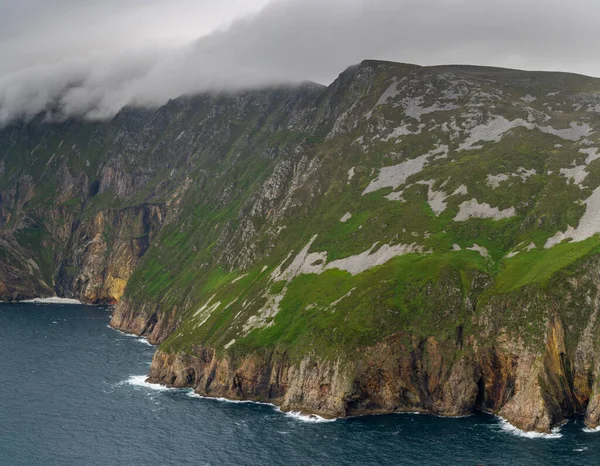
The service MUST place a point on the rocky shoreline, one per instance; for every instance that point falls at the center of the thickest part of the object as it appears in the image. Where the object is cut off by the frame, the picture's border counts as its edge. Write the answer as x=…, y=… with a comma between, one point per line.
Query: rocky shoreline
x=388, y=378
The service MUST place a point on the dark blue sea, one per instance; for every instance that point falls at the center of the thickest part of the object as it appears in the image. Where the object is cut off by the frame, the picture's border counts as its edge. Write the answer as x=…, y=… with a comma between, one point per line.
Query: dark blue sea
x=72, y=392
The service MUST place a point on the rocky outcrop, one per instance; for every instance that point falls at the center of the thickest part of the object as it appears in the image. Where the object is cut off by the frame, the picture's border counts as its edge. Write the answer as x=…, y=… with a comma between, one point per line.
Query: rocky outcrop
x=310, y=386
x=531, y=393
x=20, y=275
x=104, y=252
x=534, y=387
x=144, y=319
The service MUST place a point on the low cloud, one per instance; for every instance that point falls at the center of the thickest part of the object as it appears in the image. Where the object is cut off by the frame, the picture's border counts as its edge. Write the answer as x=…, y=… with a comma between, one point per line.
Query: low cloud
x=295, y=40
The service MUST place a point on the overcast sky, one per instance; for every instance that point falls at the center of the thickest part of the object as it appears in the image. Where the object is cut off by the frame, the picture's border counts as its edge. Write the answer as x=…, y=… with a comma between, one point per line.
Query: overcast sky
x=91, y=57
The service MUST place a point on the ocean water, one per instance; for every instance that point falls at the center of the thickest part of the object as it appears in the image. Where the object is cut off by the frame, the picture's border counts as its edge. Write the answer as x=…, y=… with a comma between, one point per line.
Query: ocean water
x=72, y=391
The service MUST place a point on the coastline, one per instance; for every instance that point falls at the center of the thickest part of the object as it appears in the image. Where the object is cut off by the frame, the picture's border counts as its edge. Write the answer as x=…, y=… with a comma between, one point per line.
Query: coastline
x=504, y=425
x=53, y=300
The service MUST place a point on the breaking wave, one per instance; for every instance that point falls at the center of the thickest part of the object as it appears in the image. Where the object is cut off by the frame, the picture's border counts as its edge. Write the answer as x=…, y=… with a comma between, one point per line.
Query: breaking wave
x=52, y=300
x=509, y=428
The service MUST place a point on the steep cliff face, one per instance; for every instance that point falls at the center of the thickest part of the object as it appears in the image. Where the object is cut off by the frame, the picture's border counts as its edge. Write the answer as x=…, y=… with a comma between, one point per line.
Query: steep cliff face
x=105, y=250
x=83, y=201
x=407, y=239
x=89, y=257
x=535, y=380
x=534, y=386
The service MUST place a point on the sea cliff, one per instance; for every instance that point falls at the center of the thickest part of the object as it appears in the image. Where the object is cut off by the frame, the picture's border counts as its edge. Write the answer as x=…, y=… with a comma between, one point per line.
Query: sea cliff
x=406, y=239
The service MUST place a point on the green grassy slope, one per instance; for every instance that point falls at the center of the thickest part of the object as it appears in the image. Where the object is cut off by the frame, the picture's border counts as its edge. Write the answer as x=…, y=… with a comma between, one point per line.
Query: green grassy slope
x=249, y=180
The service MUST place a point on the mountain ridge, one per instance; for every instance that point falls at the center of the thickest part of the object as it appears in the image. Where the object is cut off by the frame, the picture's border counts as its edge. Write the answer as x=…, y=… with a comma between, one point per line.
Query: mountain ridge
x=406, y=239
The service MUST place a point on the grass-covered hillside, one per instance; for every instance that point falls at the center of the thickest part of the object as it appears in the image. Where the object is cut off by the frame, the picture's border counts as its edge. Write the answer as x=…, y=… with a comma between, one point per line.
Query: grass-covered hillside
x=452, y=203
x=422, y=174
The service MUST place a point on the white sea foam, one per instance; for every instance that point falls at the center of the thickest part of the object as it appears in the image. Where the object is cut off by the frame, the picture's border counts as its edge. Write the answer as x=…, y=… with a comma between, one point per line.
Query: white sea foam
x=509, y=428
x=589, y=430
x=220, y=399
x=52, y=300
x=140, y=381
x=419, y=413
x=131, y=335
x=298, y=416
x=458, y=416
x=144, y=340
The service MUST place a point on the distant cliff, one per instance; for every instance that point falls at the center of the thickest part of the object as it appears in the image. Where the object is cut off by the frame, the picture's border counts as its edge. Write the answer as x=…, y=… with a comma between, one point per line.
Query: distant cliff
x=406, y=239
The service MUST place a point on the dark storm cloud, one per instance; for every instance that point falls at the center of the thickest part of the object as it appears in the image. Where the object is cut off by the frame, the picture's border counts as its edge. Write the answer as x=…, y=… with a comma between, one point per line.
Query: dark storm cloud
x=288, y=40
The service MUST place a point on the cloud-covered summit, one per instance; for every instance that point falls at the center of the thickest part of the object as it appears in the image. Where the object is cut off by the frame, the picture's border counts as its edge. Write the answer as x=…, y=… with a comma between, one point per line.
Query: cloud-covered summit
x=139, y=52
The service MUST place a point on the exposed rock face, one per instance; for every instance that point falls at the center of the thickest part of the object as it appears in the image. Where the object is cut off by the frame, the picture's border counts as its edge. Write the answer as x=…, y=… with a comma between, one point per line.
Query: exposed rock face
x=20, y=276
x=98, y=201
x=145, y=320
x=534, y=391
x=389, y=243
x=105, y=252
x=311, y=387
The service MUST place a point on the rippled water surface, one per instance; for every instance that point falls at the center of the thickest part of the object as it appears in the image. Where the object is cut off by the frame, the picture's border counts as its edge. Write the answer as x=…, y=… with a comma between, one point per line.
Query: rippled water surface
x=72, y=391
